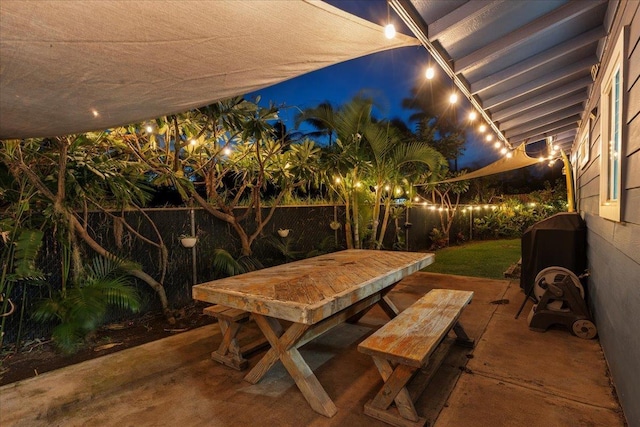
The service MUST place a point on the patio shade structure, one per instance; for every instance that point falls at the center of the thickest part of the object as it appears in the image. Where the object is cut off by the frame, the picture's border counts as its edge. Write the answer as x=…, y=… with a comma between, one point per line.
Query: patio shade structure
x=519, y=159
x=527, y=66
x=74, y=66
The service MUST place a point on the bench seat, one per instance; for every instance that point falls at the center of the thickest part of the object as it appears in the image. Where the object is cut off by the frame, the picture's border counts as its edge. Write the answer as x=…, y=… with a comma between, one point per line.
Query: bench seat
x=230, y=353
x=413, y=340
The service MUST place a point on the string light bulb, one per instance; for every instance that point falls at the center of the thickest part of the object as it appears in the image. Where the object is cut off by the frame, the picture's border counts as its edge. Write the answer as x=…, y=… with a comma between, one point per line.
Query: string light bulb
x=509, y=155
x=482, y=128
x=497, y=144
x=504, y=150
x=390, y=31
x=489, y=138
x=430, y=73
x=453, y=98
x=473, y=115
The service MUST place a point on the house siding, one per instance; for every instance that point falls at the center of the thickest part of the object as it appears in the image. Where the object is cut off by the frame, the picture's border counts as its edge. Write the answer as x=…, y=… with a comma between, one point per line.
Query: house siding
x=614, y=247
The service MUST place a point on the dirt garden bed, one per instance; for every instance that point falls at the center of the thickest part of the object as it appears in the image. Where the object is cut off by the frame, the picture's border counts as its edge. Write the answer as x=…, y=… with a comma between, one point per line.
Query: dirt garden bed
x=40, y=356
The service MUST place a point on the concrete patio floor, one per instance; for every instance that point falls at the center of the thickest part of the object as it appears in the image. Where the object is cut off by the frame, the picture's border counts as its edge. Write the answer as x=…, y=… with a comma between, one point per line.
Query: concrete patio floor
x=513, y=377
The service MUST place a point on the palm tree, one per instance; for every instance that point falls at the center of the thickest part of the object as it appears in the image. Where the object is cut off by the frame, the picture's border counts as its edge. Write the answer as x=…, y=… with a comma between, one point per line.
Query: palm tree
x=368, y=153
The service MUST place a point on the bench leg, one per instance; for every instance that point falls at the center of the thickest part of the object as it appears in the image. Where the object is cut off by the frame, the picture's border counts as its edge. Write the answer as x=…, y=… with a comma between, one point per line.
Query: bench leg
x=394, y=390
x=463, y=339
x=229, y=353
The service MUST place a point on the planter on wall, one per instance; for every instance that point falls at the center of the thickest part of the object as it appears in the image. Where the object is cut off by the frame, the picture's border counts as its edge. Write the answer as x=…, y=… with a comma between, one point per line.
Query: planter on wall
x=188, y=242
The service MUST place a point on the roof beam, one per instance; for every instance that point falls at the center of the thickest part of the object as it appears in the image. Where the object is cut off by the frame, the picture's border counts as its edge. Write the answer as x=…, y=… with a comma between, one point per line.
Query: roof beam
x=547, y=108
x=564, y=141
x=548, y=130
x=538, y=60
x=545, y=120
x=514, y=39
x=540, y=82
x=535, y=101
x=410, y=16
x=462, y=14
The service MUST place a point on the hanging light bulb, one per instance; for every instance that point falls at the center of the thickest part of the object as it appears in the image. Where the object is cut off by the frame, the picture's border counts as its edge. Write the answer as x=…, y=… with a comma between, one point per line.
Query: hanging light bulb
x=193, y=142
x=390, y=31
x=497, y=144
x=226, y=151
x=430, y=73
x=482, y=128
x=489, y=138
x=473, y=115
x=453, y=98
x=542, y=159
x=509, y=155
x=504, y=150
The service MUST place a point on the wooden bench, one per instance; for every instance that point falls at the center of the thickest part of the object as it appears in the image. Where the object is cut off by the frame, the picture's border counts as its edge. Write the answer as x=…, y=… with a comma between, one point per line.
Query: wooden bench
x=230, y=353
x=415, y=340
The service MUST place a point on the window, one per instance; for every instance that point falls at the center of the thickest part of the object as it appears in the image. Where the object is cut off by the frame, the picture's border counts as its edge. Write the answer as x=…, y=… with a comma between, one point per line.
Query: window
x=583, y=148
x=611, y=128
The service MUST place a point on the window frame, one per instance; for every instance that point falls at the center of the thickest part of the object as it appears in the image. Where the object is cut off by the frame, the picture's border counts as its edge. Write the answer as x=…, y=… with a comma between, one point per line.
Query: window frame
x=610, y=208
x=584, y=146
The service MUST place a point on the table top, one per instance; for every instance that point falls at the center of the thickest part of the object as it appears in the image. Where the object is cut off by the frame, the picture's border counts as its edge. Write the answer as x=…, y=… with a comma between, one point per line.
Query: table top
x=313, y=289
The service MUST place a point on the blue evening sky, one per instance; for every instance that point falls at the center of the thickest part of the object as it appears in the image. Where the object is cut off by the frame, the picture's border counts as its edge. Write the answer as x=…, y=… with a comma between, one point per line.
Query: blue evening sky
x=387, y=77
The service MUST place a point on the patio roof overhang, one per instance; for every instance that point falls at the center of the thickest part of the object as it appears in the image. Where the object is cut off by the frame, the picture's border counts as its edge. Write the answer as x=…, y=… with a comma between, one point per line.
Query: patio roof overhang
x=527, y=66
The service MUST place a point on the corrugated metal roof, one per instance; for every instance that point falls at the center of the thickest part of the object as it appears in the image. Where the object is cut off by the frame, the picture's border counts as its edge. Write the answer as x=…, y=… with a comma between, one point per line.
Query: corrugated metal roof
x=526, y=64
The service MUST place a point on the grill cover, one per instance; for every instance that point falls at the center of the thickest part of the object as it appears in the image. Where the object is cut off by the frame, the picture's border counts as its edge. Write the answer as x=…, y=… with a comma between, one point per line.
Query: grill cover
x=560, y=240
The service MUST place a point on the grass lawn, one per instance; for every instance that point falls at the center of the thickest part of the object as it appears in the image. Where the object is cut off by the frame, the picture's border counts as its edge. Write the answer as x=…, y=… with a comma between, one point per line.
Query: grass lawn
x=487, y=259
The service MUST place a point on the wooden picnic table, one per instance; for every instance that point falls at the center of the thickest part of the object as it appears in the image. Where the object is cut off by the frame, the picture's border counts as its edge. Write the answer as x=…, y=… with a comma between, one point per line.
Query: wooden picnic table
x=315, y=294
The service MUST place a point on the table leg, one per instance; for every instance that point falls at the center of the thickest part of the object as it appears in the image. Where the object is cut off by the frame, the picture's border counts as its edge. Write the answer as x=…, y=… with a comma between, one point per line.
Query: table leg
x=283, y=348
x=384, y=302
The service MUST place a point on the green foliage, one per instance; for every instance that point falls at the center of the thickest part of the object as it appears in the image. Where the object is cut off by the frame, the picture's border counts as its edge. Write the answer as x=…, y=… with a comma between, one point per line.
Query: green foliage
x=284, y=246
x=226, y=265
x=82, y=308
x=513, y=216
x=326, y=245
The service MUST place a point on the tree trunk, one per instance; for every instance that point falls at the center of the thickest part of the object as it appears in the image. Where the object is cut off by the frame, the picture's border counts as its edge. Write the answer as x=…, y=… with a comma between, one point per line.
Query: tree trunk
x=385, y=221
x=82, y=233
